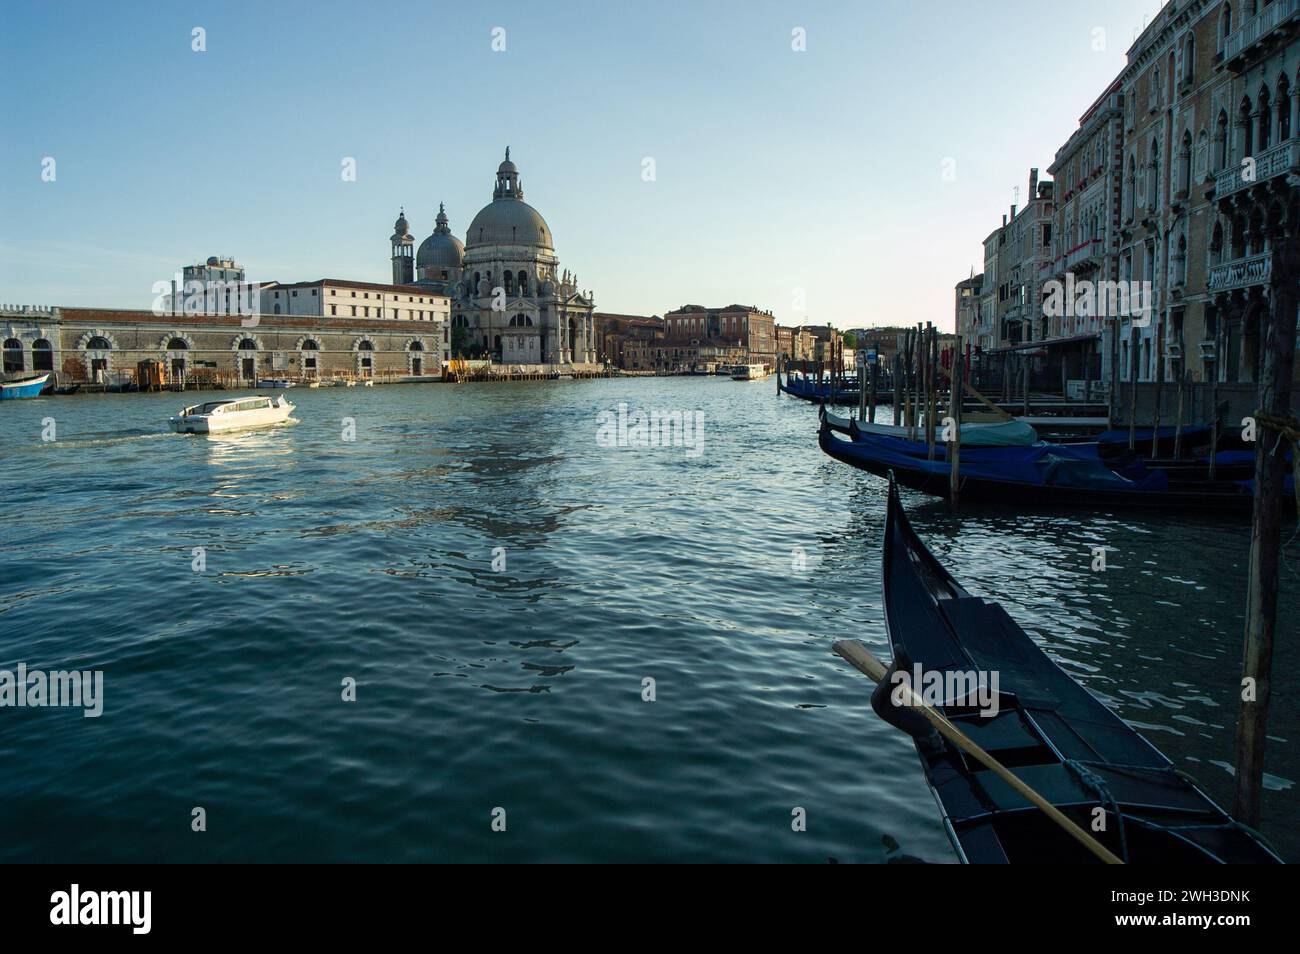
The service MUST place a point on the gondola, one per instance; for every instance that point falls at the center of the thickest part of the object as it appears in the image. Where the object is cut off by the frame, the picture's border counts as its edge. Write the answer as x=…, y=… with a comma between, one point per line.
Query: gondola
x=1069, y=475
x=993, y=434
x=1048, y=730
x=1191, y=440
x=818, y=392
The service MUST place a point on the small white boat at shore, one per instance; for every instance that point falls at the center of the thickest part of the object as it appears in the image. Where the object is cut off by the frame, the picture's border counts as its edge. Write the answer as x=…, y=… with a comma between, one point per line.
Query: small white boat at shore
x=277, y=383
x=232, y=414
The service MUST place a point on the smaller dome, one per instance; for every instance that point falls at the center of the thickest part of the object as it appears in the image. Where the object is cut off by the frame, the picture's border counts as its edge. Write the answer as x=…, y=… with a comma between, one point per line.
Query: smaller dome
x=441, y=249
x=213, y=260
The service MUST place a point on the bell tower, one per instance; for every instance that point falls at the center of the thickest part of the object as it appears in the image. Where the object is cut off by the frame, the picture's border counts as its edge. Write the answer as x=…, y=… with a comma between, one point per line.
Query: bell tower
x=403, y=244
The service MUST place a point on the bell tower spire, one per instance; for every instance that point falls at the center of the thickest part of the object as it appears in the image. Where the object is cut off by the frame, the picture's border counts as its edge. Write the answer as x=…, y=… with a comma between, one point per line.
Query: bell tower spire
x=403, y=245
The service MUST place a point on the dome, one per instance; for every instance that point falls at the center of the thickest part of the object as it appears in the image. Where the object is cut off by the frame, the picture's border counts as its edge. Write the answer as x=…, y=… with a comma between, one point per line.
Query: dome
x=441, y=249
x=509, y=221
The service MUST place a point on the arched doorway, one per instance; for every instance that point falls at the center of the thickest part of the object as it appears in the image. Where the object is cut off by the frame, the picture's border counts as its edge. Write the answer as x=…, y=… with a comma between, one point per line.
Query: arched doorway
x=42, y=355
x=98, y=348
x=417, y=358
x=310, y=363
x=247, y=359
x=365, y=358
x=13, y=356
x=177, y=368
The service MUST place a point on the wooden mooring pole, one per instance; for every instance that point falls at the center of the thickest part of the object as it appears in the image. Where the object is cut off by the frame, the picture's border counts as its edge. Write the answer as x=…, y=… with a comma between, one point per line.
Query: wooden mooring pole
x=956, y=381
x=1271, y=500
x=1158, y=345
x=1132, y=388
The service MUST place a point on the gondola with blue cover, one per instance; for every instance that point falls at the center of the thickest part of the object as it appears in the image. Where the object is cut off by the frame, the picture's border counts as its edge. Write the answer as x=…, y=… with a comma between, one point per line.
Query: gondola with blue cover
x=1095, y=474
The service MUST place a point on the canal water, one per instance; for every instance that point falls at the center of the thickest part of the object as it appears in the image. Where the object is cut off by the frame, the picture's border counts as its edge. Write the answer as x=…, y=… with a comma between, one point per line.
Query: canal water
x=626, y=649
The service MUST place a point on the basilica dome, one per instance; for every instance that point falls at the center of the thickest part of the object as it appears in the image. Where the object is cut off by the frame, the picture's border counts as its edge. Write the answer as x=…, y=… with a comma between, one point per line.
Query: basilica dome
x=441, y=250
x=508, y=219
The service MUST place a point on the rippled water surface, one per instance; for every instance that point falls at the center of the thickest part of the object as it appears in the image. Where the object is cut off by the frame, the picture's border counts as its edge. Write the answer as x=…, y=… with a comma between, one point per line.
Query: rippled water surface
x=522, y=688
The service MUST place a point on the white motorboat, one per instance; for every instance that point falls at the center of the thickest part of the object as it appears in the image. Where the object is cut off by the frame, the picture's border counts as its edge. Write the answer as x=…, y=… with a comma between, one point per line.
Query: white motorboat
x=232, y=414
x=749, y=372
x=277, y=383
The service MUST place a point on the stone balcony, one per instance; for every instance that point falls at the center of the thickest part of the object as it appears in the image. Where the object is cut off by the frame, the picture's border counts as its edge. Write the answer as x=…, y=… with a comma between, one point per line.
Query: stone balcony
x=1257, y=33
x=1273, y=162
x=1241, y=273
x=1084, y=256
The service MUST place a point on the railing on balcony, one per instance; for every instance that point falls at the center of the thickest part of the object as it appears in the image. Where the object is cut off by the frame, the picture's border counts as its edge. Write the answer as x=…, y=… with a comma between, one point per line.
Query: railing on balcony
x=1089, y=251
x=1272, y=162
x=1259, y=26
x=1252, y=270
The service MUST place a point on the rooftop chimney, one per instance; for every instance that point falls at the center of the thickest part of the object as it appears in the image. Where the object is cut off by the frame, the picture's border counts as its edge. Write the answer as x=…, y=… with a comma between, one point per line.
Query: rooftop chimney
x=1033, y=183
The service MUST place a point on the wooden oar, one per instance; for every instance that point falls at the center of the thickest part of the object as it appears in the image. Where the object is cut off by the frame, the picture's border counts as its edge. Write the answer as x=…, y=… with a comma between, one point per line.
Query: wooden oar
x=859, y=657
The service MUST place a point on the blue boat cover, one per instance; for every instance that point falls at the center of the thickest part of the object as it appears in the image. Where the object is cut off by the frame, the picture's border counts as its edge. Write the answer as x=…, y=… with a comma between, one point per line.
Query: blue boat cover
x=1041, y=464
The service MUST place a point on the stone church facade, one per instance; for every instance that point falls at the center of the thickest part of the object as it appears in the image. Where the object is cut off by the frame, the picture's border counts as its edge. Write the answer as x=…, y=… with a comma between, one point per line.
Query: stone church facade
x=509, y=298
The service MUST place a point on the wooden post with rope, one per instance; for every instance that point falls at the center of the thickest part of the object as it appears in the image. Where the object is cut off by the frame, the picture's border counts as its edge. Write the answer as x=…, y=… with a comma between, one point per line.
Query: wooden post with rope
x=1273, y=422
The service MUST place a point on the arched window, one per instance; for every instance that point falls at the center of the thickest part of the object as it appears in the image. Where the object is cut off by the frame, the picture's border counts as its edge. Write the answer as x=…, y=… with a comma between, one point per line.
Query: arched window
x=1247, y=129
x=1184, y=183
x=98, y=343
x=310, y=345
x=247, y=344
x=277, y=309
x=1221, y=142
x=364, y=345
x=1225, y=26
x=177, y=344
x=13, y=355
x=1256, y=233
x=1283, y=109
x=510, y=284
x=1153, y=177
x=416, y=346
x=1130, y=187
x=1216, y=244
x=523, y=283
x=1239, y=236
x=42, y=355
x=1265, y=120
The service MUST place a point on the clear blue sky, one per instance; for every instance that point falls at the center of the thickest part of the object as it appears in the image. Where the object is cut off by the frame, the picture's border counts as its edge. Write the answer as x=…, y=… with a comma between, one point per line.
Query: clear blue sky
x=776, y=170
